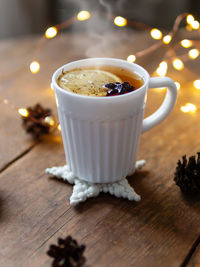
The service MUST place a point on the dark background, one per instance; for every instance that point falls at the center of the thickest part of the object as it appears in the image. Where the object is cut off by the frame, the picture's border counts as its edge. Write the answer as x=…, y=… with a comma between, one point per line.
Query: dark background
x=24, y=17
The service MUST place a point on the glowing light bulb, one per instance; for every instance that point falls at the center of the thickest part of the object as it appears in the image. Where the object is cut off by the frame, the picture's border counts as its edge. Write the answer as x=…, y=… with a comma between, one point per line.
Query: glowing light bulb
x=51, y=32
x=162, y=69
x=131, y=58
x=189, y=19
x=178, y=64
x=167, y=39
x=120, y=21
x=193, y=53
x=189, y=107
x=195, y=25
x=178, y=86
x=83, y=15
x=197, y=84
x=59, y=127
x=34, y=67
x=156, y=34
x=186, y=43
x=23, y=112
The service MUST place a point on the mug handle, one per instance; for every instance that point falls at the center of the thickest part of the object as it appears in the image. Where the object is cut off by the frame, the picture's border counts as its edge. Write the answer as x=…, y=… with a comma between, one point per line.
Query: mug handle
x=163, y=111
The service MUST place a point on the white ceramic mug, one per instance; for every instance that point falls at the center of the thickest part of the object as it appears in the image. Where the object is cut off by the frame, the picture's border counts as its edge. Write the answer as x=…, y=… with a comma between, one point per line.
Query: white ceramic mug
x=101, y=134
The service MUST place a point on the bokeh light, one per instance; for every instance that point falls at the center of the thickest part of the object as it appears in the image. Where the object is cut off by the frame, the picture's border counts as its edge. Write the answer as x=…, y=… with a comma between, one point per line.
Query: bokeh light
x=186, y=43
x=49, y=120
x=178, y=64
x=189, y=19
x=83, y=15
x=195, y=25
x=193, y=53
x=167, y=39
x=23, y=112
x=188, y=108
x=196, y=84
x=131, y=58
x=120, y=21
x=51, y=32
x=162, y=69
x=34, y=66
x=156, y=34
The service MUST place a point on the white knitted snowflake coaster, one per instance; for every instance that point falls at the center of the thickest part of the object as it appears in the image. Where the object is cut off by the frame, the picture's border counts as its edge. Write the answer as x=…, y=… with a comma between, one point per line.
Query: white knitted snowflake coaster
x=83, y=189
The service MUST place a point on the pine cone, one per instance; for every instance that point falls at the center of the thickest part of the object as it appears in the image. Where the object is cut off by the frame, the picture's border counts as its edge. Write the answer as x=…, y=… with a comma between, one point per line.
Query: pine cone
x=67, y=254
x=187, y=174
x=34, y=123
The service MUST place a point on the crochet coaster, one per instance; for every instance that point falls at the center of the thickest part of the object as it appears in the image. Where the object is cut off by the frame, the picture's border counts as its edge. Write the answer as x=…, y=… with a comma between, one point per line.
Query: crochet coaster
x=83, y=189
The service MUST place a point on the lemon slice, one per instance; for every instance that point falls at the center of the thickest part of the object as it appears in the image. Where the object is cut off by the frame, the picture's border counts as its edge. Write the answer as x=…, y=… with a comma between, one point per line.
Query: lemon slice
x=87, y=82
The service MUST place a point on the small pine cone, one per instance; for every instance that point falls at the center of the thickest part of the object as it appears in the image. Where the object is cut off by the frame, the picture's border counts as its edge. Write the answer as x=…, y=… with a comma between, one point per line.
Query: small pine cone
x=67, y=254
x=187, y=174
x=34, y=123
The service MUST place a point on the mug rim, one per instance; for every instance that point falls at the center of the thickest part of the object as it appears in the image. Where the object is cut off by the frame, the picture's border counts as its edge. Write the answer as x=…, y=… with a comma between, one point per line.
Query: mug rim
x=130, y=66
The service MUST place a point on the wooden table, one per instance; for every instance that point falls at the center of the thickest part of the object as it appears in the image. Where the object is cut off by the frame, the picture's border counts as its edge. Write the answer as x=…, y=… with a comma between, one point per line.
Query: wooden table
x=161, y=230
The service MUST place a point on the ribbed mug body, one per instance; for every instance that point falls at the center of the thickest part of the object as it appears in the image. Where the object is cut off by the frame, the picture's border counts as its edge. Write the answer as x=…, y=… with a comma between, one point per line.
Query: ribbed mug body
x=101, y=151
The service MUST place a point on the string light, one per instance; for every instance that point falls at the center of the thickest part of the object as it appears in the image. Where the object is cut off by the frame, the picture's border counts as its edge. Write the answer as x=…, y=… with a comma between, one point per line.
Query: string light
x=178, y=64
x=59, y=127
x=83, y=15
x=51, y=32
x=195, y=25
x=196, y=84
x=193, y=53
x=167, y=39
x=186, y=43
x=131, y=58
x=178, y=86
x=189, y=19
x=188, y=108
x=49, y=120
x=23, y=112
x=162, y=69
x=120, y=21
x=34, y=66
x=156, y=34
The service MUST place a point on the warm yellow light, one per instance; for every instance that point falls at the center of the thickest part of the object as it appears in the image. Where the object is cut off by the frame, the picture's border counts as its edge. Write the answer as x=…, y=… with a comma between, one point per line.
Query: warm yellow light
x=23, y=112
x=195, y=25
x=189, y=107
x=162, y=69
x=120, y=21
x=178, y=64
x=156, y=34
x=197, y=84
x=167, y=39
x=34, y=67
x=131, y=58
x=59, y=127
x=49, y=120
x=51, y=32
x=188, y=27
x=178, y=86
x=83, y=15
x=193, y=53
x=189, y=19
x=186, y=43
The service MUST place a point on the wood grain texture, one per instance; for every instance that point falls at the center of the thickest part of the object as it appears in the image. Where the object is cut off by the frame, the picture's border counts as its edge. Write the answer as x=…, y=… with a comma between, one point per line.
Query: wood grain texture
x=34, y=208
